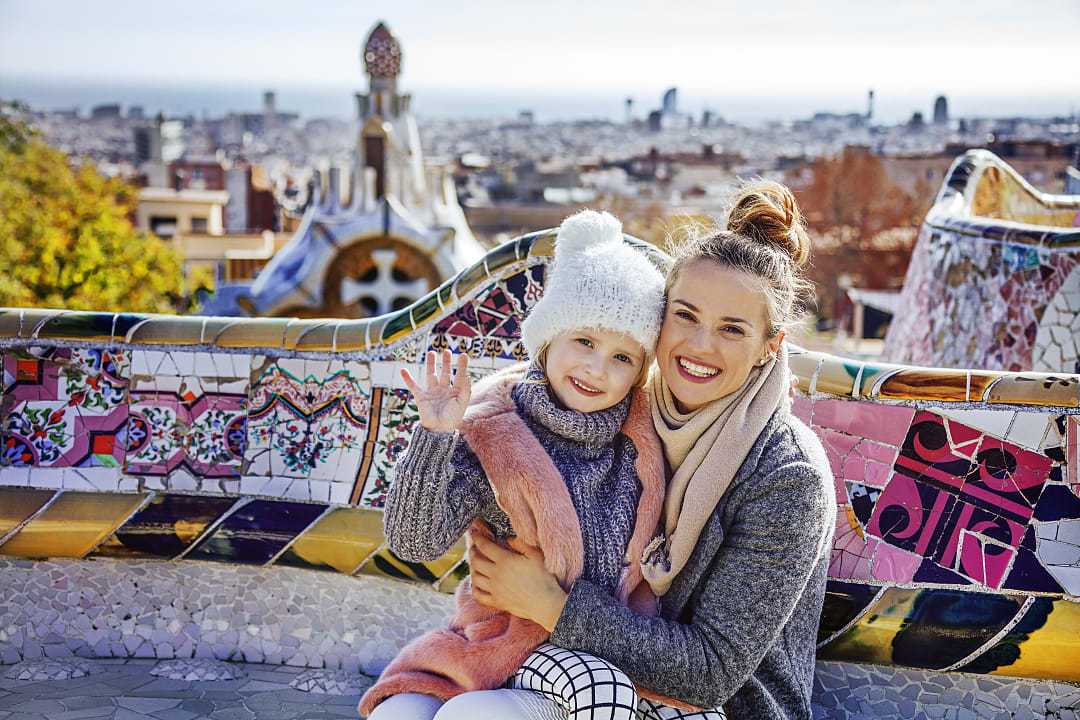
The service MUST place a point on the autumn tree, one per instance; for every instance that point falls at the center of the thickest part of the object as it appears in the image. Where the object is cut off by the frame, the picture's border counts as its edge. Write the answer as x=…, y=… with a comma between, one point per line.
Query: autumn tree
x=66, y=237
x=863, y=225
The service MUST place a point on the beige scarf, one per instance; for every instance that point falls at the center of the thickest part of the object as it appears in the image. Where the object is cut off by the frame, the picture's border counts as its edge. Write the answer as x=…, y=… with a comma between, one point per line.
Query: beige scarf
x=705, y=448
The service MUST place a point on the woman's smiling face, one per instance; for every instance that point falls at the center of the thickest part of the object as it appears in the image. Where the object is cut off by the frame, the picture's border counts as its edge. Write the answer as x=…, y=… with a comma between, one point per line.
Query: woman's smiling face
x=715, y=331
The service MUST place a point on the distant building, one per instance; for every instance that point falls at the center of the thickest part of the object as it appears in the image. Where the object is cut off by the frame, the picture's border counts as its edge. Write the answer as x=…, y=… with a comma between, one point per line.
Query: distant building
x=941, y=111
x=167, y=212
x=916, y=123
x=870, y=104
x=136, y=112
x=629, y=103
x=398, y=234
x=196, y=173
x=147, y=143
x=102, y=112
x=655, y=120
x=669, y=103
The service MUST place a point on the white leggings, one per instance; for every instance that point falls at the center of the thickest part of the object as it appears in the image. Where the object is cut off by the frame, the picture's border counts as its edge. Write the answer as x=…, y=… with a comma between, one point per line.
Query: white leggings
x=552, y=684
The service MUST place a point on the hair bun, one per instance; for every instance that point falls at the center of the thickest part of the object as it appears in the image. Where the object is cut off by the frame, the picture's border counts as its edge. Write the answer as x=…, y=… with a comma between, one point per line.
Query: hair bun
x=766, y=212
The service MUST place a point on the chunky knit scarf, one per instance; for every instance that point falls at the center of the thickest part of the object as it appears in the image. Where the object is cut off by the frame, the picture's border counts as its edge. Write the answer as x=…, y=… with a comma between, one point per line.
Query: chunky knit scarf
x=705, y=449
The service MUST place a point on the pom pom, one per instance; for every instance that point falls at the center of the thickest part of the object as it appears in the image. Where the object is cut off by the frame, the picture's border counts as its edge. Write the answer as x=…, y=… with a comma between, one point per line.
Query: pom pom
x=585, y=230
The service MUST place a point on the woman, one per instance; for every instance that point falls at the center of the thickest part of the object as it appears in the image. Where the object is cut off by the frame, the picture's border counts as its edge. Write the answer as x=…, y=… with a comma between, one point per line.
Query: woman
x=750, y=510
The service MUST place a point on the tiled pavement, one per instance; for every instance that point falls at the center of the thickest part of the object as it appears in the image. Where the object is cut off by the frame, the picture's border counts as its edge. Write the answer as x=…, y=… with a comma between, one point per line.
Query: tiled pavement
x=125, y=690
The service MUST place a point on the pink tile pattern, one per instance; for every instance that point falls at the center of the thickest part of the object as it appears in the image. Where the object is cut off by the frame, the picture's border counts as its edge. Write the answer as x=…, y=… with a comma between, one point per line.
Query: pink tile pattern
x=65, y=407
x=977, y=302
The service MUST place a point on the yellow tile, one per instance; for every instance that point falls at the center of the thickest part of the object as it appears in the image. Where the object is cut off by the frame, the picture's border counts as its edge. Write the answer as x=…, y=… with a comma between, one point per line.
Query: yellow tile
x=836, y=376
x=72, y=525
x=925, y=384
x=253, y=333
x=341, y=539
x=544, y=245
x=314, y=335
x=1036, y=389
x=167, y=331
x=870, y=639
x=1050, y=651
x=385, y=563
x=981, y=380
x=357, y=335
x=17, y=504
x=803, y=365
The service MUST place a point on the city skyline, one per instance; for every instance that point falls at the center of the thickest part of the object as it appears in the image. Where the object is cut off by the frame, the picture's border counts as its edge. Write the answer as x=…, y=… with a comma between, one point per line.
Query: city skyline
x=783, y=67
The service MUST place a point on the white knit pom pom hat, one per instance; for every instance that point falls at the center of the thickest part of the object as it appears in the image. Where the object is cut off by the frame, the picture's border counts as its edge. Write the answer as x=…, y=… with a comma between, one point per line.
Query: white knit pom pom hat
x=597, y=281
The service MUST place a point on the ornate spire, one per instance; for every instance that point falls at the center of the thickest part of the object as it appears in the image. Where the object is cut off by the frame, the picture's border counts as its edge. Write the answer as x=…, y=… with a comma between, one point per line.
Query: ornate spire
x=382, y=53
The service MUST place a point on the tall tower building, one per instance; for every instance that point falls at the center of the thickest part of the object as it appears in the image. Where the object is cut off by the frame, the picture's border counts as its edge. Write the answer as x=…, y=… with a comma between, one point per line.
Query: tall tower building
x=629, y=102
x=870, y=104
x=399, y=233
x=670, y=101
x=941, y=111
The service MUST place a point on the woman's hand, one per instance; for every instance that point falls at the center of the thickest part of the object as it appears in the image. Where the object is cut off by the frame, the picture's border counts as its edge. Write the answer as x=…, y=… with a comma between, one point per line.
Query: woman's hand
x=515, y=583
x=441, y=402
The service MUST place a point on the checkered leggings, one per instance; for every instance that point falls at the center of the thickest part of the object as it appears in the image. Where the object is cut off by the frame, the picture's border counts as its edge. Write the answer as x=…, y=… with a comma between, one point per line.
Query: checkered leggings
x=588, y=688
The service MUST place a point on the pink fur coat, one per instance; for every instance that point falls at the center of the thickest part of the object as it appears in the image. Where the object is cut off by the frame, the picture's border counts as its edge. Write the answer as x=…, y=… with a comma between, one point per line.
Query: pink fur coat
x=483, y=646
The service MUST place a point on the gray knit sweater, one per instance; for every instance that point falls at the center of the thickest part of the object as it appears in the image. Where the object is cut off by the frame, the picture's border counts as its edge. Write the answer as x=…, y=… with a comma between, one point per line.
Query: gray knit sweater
x=738, y=627
x=440, y=486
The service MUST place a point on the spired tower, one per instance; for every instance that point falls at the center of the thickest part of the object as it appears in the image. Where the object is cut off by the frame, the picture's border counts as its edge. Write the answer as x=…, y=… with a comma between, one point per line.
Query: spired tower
x=399, y=234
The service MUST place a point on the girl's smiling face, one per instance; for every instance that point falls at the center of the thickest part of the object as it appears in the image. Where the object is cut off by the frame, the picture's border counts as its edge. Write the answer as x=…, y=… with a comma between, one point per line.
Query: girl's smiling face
x=590, y=369
x=714, y=333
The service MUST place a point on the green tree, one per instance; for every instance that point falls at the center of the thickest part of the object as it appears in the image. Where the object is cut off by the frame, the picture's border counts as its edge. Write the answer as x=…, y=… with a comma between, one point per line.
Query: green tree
x=66, y=237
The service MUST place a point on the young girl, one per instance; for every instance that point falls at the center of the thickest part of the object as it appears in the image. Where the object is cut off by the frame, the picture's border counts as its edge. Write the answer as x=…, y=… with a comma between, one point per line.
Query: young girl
x=558, y=458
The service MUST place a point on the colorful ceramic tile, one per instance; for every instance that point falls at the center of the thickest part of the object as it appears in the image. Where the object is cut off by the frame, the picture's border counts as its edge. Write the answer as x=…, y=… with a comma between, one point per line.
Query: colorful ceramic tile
x=65, y=407
x=1059, y=552
x=17, y=504
x=946, y=627
x=870, y=638
x=1031, y=389
x=1050, y=642
x=844, y=603
x=256, y=532
x=850, y=555
x=165, y=527
x=340, y=540
x=884, y=423
x=917, y=384
x=72, y=525
x=398, y=418
x=308, y=419
x=386, y=563
x=489, y=324
x=194, y=423
x=1072, y=453
x=835, y=377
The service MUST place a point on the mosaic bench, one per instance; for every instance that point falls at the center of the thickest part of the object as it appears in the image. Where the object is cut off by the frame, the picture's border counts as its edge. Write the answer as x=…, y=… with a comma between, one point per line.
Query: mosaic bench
x=994, y=280
x=260, y=450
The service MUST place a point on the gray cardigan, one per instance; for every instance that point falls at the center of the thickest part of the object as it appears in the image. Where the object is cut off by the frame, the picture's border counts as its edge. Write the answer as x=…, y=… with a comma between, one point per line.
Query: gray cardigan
x=738, y=627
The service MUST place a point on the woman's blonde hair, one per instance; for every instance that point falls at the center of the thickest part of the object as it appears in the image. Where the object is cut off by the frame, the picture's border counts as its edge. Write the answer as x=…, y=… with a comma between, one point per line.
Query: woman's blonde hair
x=639, y=381
x=765, y=237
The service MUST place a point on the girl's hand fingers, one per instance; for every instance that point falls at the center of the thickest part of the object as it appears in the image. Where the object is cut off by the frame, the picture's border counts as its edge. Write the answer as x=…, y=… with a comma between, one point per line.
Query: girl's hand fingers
x=444, y=367
x=462, y=381
x=429, y=368
x=410, y=382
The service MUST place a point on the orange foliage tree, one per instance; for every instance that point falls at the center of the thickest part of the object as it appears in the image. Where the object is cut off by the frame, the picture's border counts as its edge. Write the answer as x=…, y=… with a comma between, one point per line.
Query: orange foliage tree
x=863, y=225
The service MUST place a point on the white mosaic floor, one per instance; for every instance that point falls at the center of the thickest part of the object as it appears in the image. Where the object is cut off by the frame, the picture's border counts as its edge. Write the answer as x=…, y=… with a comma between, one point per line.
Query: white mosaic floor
x=125, y=690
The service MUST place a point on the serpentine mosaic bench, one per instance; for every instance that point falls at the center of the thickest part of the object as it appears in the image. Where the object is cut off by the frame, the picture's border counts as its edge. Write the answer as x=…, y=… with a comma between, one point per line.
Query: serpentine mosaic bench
x=259, y=451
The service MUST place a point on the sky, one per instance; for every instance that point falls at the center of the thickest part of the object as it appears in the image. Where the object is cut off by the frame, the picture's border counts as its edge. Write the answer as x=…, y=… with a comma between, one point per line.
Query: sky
x=989, y=57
